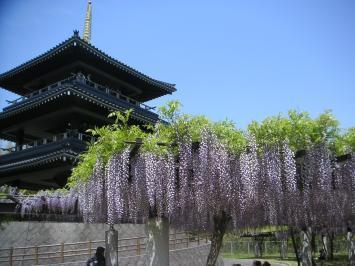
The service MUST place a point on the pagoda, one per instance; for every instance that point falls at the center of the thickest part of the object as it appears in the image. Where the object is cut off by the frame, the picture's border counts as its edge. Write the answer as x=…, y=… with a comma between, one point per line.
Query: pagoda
x=65, y=91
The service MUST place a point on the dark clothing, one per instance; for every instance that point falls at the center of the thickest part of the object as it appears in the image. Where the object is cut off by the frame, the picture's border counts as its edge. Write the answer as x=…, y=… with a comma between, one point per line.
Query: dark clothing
x=96, y=261
x=322, y=255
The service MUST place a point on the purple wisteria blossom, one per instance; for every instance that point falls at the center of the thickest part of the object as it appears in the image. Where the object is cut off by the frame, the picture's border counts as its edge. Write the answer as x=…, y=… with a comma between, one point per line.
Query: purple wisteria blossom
x=259, y=186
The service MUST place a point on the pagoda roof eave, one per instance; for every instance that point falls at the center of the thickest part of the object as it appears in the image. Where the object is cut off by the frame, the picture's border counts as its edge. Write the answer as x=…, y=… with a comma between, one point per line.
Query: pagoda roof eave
x=41, y=164
x=7, y=78
x=39, y=160
x=84, y=94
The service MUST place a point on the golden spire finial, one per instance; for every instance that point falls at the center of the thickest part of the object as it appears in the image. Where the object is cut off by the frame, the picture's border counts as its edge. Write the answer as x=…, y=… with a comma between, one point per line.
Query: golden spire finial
x=87, y=27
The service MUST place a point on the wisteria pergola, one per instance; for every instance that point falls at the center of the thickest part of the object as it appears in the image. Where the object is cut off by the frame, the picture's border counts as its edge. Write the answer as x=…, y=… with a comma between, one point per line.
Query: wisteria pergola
x=203, y=186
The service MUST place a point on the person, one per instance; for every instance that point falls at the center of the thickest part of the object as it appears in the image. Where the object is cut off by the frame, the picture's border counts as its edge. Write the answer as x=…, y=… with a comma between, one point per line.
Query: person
x=98, y=259
x=322, y=254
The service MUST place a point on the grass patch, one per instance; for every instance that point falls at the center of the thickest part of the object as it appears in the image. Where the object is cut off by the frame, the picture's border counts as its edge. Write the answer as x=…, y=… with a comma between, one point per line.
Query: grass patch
x=339, y=260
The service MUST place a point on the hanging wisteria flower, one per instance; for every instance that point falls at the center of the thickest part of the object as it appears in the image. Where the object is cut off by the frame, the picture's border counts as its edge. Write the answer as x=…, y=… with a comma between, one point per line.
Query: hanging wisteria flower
x=259, y=186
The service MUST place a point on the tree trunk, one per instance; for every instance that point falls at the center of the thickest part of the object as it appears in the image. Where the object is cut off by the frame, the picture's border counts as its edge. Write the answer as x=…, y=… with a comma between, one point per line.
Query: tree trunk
x=158, y=241
x=220, y=226
x=282, y=237
x=351, y=248
x=111, y=247
x=325, y=243
x=258, y=247
x=283, y=248
x=294, y=244
x=331, y=244
x=306, y=256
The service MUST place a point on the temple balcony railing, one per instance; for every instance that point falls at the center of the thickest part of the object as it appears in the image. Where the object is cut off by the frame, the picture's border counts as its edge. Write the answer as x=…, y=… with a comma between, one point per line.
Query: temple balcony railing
x=21, y=99
x=52, y=139
x=78, y=78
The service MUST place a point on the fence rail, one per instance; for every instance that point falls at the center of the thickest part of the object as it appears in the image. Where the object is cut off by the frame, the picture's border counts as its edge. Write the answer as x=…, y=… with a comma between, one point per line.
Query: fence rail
x=71, y=252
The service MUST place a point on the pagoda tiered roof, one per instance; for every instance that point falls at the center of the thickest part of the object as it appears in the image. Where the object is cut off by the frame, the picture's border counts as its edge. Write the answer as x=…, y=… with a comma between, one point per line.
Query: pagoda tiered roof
x=65, y=91
x=84, y=96
x=75, y=54
x=44, y=163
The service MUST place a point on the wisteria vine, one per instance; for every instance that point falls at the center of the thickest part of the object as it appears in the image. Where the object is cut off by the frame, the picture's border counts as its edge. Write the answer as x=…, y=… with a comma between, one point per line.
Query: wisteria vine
x=257, y=187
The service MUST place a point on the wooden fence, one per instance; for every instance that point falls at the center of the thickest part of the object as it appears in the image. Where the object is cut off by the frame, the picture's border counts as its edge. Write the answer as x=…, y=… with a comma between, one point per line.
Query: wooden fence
x=80, y=251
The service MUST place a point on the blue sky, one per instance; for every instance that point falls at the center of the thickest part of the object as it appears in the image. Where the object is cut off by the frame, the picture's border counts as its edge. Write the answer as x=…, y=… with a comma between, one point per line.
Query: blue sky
x=242, y=60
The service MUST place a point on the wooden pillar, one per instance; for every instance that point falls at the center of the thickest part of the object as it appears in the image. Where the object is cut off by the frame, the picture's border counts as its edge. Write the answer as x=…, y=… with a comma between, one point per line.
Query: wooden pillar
x=89, y=248
x=175, y=239
x=138, y=247
x=19, y=138
x=36, y=256
x=11, y=254
x=62, y=252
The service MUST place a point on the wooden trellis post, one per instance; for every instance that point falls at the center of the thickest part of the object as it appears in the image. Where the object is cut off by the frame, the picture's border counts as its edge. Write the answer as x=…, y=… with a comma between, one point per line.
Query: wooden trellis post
x=36, y=256
x=174, y=239
x=62, y=252
x=138, y=247
x=11, y=254
x=89, y=248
